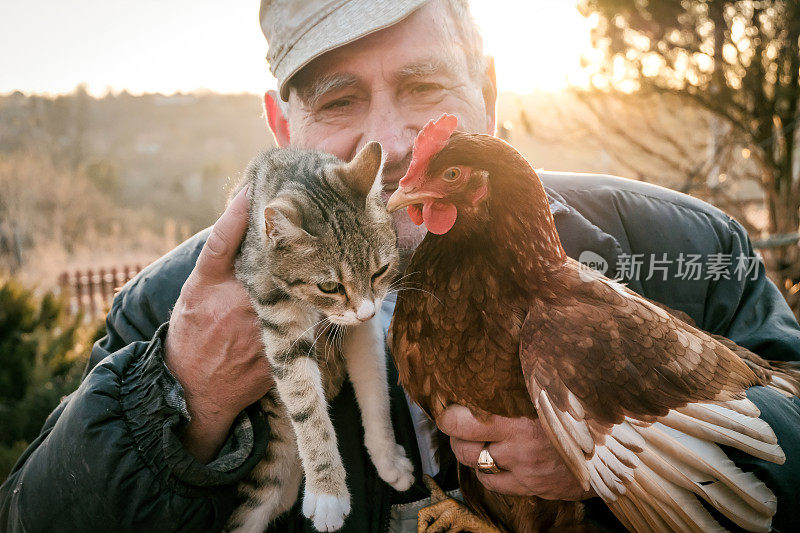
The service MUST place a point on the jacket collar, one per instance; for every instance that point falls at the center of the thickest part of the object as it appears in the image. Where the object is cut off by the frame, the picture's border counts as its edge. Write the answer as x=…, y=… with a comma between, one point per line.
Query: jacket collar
x=582, y=240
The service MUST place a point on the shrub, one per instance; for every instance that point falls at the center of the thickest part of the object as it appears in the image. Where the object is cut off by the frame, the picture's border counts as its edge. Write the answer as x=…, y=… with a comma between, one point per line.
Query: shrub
x=43, y=351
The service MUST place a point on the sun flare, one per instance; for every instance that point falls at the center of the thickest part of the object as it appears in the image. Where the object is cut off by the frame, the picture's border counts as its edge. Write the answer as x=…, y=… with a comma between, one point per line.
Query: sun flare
x=536, y=44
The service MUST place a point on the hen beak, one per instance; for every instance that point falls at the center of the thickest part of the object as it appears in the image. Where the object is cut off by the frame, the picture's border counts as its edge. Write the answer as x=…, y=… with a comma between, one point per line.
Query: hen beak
x=403, y=197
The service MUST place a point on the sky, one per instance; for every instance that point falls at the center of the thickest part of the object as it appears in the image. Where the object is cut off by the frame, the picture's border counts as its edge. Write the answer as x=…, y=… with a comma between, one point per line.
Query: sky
x=49, y=46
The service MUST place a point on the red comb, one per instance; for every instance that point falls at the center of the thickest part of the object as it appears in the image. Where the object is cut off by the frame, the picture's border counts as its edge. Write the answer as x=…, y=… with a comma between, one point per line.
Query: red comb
x=428, y=143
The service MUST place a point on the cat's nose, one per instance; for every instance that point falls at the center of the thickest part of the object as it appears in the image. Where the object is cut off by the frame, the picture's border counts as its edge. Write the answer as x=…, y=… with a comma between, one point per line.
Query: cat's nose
x=366, y=310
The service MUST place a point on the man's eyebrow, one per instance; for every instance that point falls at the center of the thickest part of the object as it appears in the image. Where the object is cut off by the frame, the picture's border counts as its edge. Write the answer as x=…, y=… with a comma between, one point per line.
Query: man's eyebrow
x=427, y=67
x=315, y=90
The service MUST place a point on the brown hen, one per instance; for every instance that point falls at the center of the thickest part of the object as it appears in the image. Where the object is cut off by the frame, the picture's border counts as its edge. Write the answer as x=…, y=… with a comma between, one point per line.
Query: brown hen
x=633, y=397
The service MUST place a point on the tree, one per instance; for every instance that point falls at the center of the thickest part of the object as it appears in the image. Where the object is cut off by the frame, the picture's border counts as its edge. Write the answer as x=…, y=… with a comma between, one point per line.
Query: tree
x=736, y=59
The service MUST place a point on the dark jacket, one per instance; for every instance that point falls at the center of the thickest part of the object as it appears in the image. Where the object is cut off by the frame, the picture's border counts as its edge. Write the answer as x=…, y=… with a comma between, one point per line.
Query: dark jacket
x=109, y=457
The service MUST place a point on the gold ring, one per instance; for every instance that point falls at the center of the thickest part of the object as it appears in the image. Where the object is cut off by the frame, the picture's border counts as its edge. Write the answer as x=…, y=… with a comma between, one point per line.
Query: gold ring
x=486, y=464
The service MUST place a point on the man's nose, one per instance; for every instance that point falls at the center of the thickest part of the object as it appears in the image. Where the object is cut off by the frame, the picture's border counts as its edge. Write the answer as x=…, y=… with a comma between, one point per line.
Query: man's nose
x=387, y=124
x=366, y=310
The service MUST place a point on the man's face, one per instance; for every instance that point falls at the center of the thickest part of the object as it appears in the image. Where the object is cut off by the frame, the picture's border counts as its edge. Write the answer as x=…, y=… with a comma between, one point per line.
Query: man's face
x=385, y=87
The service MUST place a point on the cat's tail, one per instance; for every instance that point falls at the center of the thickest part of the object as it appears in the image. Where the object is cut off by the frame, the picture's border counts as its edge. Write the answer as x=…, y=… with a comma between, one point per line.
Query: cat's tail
x=271, y=487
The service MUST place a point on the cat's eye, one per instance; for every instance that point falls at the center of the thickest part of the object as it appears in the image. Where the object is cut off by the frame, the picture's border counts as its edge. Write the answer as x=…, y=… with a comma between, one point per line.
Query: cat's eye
x=451, y=174
x=380, y=272
x=329, y=287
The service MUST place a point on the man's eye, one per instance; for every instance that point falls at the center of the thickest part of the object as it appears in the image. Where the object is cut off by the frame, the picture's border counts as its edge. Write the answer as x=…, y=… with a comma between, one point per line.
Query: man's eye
x=337, y=104
x=422, y=88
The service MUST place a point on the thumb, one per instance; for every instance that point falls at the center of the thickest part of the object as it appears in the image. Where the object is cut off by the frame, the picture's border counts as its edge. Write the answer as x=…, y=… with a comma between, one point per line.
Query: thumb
x=215, y=262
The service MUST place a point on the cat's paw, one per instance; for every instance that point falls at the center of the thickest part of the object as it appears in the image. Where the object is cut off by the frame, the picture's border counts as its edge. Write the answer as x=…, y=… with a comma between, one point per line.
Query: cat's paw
x=326, y=510
x=396, y=469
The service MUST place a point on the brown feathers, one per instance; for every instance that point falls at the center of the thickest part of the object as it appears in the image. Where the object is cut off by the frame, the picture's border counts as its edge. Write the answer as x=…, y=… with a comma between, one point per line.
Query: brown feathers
x=635, y=399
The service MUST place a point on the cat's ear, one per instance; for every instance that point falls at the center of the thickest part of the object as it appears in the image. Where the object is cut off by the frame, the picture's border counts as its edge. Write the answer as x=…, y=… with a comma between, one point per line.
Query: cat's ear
x=283, y=221
x=363, y=173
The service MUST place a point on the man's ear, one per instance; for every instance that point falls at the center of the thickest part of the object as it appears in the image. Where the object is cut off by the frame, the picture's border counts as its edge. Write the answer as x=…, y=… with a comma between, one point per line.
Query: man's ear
x=276, y=120
x=282, y=221
x=490, y=95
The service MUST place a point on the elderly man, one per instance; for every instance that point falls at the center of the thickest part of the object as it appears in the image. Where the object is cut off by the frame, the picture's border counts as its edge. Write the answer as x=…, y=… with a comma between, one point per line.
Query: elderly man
x=163, y=426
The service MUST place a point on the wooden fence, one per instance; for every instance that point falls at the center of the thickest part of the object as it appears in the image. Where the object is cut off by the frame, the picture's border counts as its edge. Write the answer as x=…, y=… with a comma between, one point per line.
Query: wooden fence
x=90, y=291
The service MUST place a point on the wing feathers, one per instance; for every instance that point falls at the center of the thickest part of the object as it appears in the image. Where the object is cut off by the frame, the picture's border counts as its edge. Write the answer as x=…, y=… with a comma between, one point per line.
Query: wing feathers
x=722, y=416
x=677, y=506
x=783, y=386
x=708, y=458
x=648, y=507
x=744, y=407
x=653, y=474
x=624, y=472
x=723, y=435
x=638, y=403
x=629, y=515
x=564, y=443
x=702, y=468
x=577, y=429
x=603, y=485
x=575, y=407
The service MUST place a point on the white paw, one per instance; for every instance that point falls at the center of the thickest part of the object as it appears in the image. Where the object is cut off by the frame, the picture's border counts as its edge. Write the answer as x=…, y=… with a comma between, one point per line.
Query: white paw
x=326, y=510
x=396, y=470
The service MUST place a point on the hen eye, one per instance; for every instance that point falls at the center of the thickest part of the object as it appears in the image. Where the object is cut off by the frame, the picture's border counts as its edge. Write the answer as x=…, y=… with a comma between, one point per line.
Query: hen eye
x=329, y=287
x=381, y=271
x=451, y=174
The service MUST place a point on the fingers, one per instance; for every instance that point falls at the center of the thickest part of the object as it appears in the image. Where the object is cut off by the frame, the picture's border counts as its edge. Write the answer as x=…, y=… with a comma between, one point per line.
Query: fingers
x=529, y=463
x=502, y=482
x=458, y=421
x=506, y=454
x=215, y=262
x=548, y=488
x=467, y=451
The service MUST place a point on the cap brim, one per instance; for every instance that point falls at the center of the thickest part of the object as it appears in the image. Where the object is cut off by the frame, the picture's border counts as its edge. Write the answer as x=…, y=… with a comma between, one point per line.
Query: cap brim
x=348, y=23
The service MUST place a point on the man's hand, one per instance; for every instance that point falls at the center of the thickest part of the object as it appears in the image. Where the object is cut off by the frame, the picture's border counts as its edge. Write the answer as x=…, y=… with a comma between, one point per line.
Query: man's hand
x=213, y=345
x=529, y=464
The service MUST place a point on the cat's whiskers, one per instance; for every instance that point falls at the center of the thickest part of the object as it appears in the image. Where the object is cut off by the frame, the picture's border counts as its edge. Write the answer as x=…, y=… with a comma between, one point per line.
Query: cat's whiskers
x=329, y=327
x=301, y=337
x=401, y=279
x=397, y=290
x=320, y=332
x=338, y=334
x=323, y=332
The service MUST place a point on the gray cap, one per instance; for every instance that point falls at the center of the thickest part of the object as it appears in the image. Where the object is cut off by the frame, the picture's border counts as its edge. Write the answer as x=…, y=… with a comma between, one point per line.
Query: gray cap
x=300, y=30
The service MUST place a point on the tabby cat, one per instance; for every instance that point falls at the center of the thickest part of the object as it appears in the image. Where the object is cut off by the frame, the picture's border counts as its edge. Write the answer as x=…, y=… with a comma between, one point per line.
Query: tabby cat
x=317, y=260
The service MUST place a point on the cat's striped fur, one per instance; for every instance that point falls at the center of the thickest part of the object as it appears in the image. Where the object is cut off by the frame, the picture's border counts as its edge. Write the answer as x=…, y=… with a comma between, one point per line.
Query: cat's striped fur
x=318, y=258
